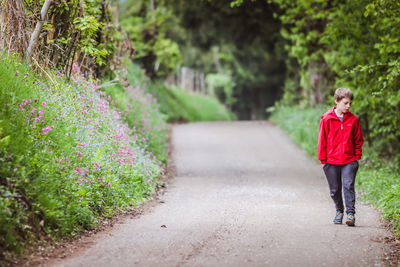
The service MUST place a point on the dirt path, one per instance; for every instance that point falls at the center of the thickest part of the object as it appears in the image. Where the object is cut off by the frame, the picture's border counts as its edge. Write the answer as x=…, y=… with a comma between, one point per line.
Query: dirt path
x=243, y=195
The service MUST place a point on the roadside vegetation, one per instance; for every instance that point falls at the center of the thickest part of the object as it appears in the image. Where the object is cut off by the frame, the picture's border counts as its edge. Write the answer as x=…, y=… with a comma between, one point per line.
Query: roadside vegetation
x=67, y=155
x=377, y=179
x=75, y=151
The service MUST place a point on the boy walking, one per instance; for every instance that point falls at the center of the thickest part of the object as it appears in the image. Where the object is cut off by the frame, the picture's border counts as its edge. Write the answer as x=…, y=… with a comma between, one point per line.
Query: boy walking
x=339, y=149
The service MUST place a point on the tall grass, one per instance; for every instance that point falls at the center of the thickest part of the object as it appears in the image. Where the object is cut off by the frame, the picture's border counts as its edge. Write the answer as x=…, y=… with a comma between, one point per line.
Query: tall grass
x=378, y=181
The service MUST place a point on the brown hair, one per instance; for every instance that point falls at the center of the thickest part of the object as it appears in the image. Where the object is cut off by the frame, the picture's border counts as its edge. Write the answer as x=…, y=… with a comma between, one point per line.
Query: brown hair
x=343, y=92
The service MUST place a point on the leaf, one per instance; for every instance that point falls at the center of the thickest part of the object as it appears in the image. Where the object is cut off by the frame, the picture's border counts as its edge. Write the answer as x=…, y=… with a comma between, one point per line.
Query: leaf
x=5, y=141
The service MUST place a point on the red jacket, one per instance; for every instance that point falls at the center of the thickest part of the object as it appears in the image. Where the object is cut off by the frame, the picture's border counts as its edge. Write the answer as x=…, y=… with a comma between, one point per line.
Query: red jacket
x=339, y=142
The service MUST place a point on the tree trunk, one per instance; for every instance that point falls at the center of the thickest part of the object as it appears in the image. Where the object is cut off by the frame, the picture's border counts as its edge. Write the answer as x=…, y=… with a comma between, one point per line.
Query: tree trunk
x=35, y=35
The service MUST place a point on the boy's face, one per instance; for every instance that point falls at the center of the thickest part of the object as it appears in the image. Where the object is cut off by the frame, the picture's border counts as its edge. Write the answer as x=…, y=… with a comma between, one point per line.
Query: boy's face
x=343, y=106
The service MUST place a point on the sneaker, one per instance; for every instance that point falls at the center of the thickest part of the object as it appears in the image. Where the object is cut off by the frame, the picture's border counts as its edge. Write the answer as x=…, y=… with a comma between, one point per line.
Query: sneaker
x=338, y=218
x=351, y=220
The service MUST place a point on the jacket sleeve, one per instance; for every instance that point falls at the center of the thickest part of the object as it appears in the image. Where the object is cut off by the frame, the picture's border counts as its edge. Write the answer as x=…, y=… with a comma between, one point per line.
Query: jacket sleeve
x=358, y=140
x=322, y=136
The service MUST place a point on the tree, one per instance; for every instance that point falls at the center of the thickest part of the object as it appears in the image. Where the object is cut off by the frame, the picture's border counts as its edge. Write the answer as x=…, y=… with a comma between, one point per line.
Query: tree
x=146, y=22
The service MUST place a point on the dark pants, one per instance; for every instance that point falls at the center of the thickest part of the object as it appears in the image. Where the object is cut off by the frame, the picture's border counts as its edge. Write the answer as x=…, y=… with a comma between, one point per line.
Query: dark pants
x=338, y=175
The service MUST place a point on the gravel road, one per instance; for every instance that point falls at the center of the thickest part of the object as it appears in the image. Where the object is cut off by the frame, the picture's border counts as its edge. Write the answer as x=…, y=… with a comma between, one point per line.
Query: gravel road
x=243, y=195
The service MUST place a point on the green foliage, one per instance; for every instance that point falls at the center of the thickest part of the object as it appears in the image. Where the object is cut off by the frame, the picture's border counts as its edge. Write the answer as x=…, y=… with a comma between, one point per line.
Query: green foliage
x=75, y=31
x=222, y=86
x=303, y=25
x=89, y=28
x=147, y=27
x=67, y=157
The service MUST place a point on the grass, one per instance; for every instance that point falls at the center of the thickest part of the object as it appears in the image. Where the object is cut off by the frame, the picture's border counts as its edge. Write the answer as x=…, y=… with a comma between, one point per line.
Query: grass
x=177, y=104
x=377, y=180
x=301, y=125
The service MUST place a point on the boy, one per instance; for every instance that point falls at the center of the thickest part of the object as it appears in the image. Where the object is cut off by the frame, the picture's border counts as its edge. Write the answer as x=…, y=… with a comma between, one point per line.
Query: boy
x=339, y=149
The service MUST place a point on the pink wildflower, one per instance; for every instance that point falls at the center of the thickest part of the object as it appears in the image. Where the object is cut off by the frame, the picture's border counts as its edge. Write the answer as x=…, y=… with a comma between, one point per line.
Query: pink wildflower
x=109, y=184
x=78, y=170
x=46, y=130
x=97, y=165
x=20, y=107
x=43, y=104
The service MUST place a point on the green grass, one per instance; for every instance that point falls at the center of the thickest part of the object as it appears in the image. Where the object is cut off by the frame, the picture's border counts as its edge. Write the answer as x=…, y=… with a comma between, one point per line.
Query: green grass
x=200, y=107
x=179, y=105
x=381, y=187
x=378, y=181
x=301, y=125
